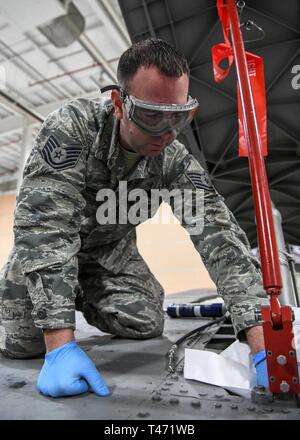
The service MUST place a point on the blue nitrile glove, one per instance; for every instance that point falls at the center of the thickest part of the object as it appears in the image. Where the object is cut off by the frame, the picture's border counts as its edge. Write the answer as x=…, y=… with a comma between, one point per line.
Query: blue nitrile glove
x=260, y=363
x=68, y=371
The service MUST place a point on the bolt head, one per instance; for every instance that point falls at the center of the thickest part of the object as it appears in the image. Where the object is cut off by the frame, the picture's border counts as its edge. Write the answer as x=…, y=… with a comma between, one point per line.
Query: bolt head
x=284, y=387
x=281, y=360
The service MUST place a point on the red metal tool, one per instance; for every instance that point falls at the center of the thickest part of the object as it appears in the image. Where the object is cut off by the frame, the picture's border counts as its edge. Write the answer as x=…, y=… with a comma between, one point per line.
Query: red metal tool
x=277, y=319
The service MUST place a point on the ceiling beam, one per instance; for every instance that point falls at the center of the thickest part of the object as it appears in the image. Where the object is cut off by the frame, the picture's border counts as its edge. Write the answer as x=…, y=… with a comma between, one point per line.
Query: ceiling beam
x=115, y=19
x=17, y=106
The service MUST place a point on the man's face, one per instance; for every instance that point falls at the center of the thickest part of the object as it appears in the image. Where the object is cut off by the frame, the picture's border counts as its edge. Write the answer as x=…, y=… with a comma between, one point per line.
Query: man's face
x=150, y=85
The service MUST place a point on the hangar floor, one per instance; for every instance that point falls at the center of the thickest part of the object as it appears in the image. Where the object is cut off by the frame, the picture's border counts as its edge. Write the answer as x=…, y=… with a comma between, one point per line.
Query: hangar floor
x=141, y=385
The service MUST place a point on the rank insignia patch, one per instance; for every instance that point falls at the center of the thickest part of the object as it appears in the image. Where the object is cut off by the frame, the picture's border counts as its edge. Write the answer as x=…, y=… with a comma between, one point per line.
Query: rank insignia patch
x=60, y=158
x=199, y=180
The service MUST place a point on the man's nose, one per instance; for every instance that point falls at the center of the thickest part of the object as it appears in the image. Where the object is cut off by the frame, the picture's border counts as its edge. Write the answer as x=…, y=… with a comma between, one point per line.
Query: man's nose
x=169, y=136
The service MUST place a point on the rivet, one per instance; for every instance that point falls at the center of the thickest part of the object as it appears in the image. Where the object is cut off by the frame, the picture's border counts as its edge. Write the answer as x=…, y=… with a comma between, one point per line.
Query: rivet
x=233, y=406
x=202, y=394
x=196, y=403
x=156, y=397
x=183, y=391
x=174, y=401
x=251, y=408
x=143, y=414
x=218, y=405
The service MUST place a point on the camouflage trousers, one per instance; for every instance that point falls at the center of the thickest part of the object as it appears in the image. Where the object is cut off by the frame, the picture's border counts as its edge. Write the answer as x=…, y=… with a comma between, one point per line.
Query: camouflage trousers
x=127, y=304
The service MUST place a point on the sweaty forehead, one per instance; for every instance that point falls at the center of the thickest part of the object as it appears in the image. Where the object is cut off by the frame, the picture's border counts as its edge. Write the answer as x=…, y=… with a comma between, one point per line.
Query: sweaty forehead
x=150, y=85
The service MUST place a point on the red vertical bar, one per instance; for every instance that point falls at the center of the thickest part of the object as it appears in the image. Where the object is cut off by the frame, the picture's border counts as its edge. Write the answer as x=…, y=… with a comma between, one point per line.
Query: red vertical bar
x=262, y=203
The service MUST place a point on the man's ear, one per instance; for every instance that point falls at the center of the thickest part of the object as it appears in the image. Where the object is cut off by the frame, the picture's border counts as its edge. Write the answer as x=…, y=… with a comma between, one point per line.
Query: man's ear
x=117, y=103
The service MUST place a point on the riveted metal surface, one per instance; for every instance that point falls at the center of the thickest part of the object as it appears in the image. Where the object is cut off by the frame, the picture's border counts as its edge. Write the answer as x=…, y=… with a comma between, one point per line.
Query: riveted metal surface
x=142, y=387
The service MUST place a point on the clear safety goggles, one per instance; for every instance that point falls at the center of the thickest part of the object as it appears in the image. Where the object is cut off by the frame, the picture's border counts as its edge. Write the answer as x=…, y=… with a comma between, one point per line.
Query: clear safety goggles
x=157, y=119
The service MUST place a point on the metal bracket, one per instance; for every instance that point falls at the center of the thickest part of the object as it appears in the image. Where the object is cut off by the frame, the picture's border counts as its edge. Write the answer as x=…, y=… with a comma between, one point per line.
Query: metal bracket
x=281, y=355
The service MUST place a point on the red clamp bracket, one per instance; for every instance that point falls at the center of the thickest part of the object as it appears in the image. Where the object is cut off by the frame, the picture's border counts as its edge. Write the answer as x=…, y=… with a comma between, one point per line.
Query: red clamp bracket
x=277, y=320
x=281, y=355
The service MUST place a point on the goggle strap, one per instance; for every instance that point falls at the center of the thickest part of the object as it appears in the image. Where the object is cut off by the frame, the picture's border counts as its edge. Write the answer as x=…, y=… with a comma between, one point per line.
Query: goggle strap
x=112, y=87
x=122, y=92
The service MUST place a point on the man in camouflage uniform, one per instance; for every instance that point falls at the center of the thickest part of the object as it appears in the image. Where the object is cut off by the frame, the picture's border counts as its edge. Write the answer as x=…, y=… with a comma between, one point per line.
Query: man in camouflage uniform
x=64, y=259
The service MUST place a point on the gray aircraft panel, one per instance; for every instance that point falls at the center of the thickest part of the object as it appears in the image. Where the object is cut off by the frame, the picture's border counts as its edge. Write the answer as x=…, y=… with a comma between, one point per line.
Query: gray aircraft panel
x=137, y=374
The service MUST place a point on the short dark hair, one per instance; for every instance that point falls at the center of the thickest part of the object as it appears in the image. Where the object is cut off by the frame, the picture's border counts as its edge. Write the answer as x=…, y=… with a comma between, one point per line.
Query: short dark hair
x=151, y=52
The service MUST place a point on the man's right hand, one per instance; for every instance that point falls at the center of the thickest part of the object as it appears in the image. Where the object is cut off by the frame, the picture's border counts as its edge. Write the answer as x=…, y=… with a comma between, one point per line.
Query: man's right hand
x=68, y=371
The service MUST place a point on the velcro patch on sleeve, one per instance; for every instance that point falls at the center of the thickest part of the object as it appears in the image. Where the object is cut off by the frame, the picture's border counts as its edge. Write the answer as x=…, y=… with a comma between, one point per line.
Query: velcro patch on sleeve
x=58, y=157
x=199, y=180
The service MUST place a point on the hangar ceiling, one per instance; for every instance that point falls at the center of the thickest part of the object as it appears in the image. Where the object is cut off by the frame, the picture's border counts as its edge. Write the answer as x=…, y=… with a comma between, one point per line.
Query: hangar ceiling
x=47, y=57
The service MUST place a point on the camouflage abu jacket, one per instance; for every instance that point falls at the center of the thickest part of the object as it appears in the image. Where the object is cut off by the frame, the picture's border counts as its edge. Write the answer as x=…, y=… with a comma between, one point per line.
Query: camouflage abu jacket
x=74, y=155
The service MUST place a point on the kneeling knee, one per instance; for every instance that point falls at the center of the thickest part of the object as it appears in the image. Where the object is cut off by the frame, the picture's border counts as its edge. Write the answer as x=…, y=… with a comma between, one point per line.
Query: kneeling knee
x=137, y=330
x=153, y=331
